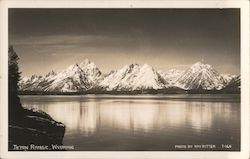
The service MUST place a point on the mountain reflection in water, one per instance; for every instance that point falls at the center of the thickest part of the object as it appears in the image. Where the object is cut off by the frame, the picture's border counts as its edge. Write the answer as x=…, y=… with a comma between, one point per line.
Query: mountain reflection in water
x=144, y=117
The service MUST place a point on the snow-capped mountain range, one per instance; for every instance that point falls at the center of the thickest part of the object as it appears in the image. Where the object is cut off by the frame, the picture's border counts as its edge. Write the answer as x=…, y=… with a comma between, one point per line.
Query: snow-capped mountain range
x=171, y=75
x=77, y=77
x=86, y=76
x=134, y=77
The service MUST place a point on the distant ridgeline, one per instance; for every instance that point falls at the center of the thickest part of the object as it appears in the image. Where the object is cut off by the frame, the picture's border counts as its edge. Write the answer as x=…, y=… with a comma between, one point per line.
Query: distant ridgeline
x=86, y=78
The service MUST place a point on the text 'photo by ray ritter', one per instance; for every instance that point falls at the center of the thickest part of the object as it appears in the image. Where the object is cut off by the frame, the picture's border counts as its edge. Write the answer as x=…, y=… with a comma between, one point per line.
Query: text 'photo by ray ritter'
x=124, y=79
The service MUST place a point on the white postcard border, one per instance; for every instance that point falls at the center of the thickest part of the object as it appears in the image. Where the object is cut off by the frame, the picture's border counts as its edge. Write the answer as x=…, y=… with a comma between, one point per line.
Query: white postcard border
x=242, y=4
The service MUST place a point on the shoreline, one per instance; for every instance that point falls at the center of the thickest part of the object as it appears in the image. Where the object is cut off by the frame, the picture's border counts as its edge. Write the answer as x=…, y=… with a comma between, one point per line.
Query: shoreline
x=160, y=97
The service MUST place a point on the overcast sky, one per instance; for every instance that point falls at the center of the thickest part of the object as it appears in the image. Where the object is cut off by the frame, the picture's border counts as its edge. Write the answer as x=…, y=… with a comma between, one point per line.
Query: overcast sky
x=53, y=39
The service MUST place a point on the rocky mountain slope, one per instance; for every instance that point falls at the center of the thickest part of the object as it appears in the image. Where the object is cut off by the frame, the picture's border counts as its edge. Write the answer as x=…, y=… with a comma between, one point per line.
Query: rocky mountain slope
x=77, y=77
x=133, y=77
x=201, y=76
x=87, y=76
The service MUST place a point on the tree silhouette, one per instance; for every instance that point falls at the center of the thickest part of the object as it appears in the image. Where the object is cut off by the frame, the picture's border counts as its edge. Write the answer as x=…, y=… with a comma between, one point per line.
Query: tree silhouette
x=40, y=129
x=15, y=107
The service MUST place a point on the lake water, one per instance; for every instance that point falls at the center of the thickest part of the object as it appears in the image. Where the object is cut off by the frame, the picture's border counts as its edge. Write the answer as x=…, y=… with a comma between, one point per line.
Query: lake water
x=145, y=122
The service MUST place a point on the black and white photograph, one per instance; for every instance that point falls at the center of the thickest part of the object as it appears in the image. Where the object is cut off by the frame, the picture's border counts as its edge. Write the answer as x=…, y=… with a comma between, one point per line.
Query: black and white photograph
x=125, y=80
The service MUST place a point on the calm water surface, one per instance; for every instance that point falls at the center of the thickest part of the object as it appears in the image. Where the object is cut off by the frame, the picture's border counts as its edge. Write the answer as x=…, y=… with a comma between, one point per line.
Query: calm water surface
x=160, y=122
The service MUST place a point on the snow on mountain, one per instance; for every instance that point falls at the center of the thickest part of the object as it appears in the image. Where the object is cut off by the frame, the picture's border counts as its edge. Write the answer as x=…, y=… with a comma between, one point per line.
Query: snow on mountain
x=91, y=70
x=31, y=83
x=171, y=75
x=228, y=77
x=234, y=83
x=51, y=74
x=86, y=76
x=68, y=80
x=133, y=77
x=75, y=78
x=200, y=76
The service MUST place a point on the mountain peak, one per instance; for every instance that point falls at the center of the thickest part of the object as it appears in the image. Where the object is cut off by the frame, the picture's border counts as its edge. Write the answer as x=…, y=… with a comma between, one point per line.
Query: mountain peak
x=51, y=73
x=202, y=76
x=73, y=67
x=133, y=77
x=200, y=66
x=86, y=62
x=130, y=68
x=147, y=68
x=133, y=65
x=35, y=77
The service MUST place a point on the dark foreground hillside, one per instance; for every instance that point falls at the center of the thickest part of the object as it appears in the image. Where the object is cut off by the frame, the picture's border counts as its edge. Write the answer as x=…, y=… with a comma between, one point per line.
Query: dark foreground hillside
x=28, y=129
x=35, y=128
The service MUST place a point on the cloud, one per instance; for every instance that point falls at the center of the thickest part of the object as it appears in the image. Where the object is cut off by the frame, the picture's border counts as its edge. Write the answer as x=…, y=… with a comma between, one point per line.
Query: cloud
x=56, y=40
x=69, y=40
